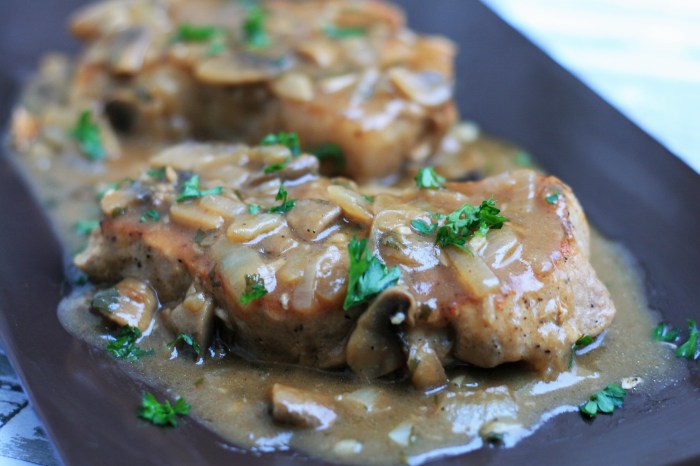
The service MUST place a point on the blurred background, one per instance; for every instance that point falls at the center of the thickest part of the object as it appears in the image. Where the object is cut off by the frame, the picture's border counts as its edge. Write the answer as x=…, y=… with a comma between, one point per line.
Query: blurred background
x=643, y=56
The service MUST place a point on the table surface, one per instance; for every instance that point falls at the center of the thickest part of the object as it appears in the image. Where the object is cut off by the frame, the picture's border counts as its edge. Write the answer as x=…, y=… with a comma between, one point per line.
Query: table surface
x=643, y=56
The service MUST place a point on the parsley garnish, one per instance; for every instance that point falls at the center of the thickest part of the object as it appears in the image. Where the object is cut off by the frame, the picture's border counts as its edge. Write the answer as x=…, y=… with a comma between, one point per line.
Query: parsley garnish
x=106, y=300
x=254, y=28
x=367, y=198
x=150, y=216
x=336, y=32
x=192, y=33
x=289, y=140
x=187, y=340
x=330, y=152
x=275, y=167
x=87, y=134
x=421, y=227
x=689, y=349
x=157, y=173
x=124, y=347
x=462, y=224
x=367, y=275
x=190, y=190
x=605, y=401
x=162, y=414
x=85, y=227
x=582, y=342
x=286, y=205
x=254, y=288
x=552, y=198
x=664, y=332
x=254, y=209
x=523, y=159
x=428, y=179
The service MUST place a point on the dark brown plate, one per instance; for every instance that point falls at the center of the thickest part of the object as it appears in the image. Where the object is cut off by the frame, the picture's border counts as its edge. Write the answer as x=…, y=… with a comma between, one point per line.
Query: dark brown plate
x=632, y=188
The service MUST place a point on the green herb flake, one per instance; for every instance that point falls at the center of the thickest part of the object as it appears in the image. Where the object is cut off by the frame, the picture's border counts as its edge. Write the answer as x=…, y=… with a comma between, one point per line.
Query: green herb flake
x=193, y=33
x=523, y=159
x=254, y=209
x=583, y=341
x=275, y=167
x=157, y=173
x=552, y=198
x=254, y=288
x=254, y=29
x=428, y=179
x=87, y=133
x=106, y=300
x=367, y=198
x=367, y=275
x=466, y=222
x=187, y=340
x=124, y=347
x=331, y=153
x=421, y=227
x=150, y=216
x=689, y=349
x=162, y=414
x=190, y=190
x=664, y=332
x=86, y=227
x=605, y=401
x=289, y=140
x=336, y=32
x=286, y=205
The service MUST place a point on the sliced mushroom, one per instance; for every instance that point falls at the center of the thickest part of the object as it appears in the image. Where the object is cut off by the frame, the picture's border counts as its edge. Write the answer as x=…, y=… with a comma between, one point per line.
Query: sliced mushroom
x=301, y=408
x=295, y=168
x=228, y=71
x=130, y=302
x=194, y=316
x=426, y=350
x=128, y=50
x=294, y=86
x=373, y=349
x=310, y=217
x=426, y=88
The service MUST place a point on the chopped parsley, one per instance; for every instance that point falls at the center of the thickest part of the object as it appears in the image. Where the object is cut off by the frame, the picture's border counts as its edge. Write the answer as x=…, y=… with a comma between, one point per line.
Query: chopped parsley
x=286, y=205
x=336, y=32
x=85, y=227
x=254, y=288
x=289, y=140
x=421, y=227
x=605, y=401
x=428, y=179
x=367, y=275
x=87, y=133
x=523, y=159
x=106, y=300
x=552, y=198
x=162, y=414
x=254, y=209
x=462, y=224
x=124, y=347
x=689, y=349
x=157, y=173
x=367, y=198
x=190, y=190
x=193, y=33
x=330, y=152
x=582, y=342
x=187, y=340
x=254, y=29
x=275, y=167
x=664, y=332
x=150, y=216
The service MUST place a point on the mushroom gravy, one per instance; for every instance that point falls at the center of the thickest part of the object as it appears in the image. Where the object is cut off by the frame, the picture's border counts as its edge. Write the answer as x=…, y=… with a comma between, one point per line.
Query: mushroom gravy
x=383, y=423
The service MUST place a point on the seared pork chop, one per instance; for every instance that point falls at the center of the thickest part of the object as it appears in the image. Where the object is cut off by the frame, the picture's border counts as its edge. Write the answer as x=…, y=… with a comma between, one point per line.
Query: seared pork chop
x=271, y=248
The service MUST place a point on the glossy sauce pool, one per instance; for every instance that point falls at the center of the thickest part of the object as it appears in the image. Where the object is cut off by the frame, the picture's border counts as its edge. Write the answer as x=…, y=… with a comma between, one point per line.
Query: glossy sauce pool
x=387, y=422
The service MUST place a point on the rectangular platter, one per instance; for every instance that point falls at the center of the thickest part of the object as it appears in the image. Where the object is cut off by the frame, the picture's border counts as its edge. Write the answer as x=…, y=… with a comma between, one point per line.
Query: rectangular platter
x=632, y=189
